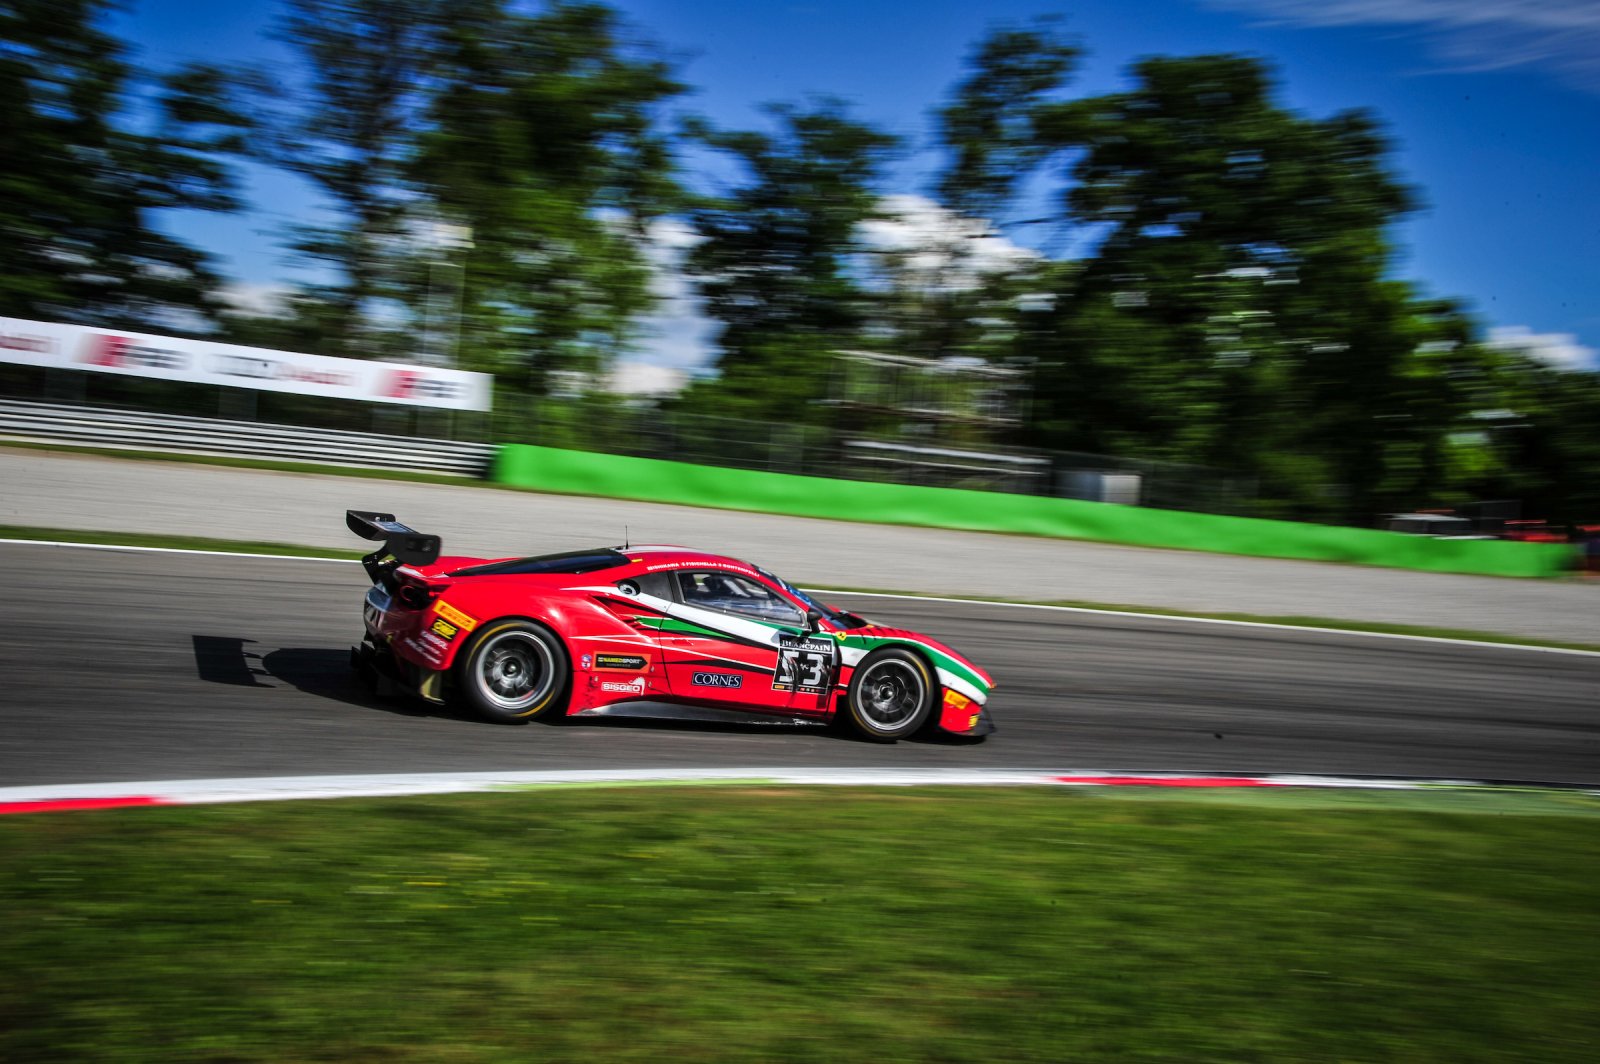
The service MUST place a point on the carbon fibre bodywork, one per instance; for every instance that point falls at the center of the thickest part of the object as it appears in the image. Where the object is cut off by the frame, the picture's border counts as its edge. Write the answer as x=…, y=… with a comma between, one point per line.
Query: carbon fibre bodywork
x=653, y=623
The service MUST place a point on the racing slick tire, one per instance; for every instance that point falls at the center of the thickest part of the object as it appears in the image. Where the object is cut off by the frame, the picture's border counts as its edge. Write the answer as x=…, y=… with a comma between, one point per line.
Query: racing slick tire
x=891, y=695
x=514, y=671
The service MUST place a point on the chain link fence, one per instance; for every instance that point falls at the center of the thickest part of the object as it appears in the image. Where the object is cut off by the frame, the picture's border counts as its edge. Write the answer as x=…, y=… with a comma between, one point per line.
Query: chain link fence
x=614, y=426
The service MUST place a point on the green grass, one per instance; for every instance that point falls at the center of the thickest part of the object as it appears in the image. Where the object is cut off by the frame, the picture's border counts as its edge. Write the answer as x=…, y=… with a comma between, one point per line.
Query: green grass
x=825, y=925
x=135, y=539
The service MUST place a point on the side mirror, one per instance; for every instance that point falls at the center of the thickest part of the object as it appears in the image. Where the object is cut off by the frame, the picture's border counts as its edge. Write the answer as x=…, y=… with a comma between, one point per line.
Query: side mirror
x=813, y=620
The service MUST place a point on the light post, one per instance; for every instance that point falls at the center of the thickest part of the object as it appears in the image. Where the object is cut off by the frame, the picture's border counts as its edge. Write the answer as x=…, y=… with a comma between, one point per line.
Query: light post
x=444, y=237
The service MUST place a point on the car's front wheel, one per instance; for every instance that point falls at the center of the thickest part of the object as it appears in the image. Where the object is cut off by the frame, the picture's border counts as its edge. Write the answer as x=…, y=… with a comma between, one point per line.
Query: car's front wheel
x=515, y=670
x=891, y=695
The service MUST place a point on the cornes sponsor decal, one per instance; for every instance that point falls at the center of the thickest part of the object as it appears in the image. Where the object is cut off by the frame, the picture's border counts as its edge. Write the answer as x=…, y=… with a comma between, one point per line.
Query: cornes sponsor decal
x=717, y=679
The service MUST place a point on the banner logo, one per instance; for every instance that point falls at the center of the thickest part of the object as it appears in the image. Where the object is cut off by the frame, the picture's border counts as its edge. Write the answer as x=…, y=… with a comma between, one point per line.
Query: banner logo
x=119, y=352
x=415, y=384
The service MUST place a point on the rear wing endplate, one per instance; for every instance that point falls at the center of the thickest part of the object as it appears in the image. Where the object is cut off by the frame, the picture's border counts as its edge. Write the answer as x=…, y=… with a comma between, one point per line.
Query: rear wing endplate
x=407, y=545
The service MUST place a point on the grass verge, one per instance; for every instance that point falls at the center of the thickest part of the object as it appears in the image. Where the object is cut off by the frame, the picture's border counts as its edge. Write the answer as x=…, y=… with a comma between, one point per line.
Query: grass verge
x=133, y=539
x=747, y=924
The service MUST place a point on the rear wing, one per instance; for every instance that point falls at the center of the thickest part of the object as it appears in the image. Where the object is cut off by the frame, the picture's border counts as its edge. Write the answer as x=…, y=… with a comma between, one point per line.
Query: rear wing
x=404, y=543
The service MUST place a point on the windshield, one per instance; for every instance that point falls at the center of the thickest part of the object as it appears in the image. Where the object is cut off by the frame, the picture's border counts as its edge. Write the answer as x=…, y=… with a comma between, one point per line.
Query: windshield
x=839, y=617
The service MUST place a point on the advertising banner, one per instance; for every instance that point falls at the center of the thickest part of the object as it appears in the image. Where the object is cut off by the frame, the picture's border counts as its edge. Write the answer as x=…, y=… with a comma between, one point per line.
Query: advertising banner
x=37, y=343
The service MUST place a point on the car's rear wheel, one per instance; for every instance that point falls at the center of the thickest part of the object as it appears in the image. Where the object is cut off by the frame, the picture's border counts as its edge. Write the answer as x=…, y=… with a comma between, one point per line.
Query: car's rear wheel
x=515, y=670
x=891, y=695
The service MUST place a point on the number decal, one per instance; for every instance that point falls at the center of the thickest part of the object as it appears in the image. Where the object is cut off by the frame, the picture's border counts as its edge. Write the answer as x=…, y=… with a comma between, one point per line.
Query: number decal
x=804, y=665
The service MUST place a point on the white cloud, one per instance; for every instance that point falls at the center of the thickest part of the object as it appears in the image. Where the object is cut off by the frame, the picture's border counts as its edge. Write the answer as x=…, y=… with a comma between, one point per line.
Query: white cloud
x=256, y=300
x=939, y=249
x=1467, y=35
x=642, y=378
x=1560, y=350
x=675, y=335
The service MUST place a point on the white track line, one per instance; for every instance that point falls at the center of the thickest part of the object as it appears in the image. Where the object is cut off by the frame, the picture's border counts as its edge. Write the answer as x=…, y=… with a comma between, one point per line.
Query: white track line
x=1210, y=620
x=176, y=550
x=59, y=797
x=914, y=598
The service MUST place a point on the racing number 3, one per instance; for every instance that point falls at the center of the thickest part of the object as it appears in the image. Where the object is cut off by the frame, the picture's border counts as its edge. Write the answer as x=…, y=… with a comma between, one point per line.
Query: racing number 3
x=805, y=669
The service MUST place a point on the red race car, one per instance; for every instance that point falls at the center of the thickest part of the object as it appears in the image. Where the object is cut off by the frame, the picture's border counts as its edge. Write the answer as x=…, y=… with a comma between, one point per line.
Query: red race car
x=564, y=634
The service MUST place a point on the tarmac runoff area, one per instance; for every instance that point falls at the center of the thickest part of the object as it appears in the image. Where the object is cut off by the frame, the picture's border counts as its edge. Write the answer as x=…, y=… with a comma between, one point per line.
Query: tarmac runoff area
x=79, y=492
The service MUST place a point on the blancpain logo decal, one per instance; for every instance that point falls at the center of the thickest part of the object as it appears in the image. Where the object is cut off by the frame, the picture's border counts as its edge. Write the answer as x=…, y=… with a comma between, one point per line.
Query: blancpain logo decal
x=632, y=687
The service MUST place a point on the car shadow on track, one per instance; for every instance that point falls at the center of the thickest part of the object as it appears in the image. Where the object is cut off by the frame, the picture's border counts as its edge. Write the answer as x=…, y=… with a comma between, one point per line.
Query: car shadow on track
x=318, y=671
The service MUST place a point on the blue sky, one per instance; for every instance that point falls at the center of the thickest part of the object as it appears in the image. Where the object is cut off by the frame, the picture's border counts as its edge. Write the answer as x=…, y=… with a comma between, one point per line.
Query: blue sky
x=1494, y=108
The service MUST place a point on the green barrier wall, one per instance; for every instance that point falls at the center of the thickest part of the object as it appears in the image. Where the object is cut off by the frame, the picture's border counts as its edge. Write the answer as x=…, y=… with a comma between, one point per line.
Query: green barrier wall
x=652, y=480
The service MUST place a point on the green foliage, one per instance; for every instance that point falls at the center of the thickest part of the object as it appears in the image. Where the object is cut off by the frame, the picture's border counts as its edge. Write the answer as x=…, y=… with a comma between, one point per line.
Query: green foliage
x=352, y=135
x=989, y=125
x=544, y=135
x=1543, y=445
x=1236, y=311
x=1238, y=306
x=79, y=184
x=775, y=262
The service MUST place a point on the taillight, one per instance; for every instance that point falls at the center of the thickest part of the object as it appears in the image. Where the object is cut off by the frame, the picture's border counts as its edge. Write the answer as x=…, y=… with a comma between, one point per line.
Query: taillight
x=413, y=597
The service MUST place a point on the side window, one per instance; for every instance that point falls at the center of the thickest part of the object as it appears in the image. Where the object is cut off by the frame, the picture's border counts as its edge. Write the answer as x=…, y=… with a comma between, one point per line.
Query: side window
x=732, y=593
x=657, y=584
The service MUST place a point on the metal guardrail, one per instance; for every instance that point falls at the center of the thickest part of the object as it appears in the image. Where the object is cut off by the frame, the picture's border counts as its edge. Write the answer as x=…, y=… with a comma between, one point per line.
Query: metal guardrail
x=131, y=429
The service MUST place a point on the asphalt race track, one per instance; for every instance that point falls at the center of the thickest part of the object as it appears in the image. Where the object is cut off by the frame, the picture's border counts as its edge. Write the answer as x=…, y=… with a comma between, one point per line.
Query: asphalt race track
x=121, y=666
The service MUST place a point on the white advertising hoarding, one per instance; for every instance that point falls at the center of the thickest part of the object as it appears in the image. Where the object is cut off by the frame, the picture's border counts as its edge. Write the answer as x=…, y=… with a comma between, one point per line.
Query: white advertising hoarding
x=38, y=343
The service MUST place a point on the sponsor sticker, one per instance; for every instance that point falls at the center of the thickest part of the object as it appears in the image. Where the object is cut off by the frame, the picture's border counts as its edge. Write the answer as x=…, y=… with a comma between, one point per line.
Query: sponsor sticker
x=422, y=649
x=454, y=616
x=443, y=628
x=804, y=665
x=820, y=644
x=717, y=679
x=632, y=687
x=621, y=662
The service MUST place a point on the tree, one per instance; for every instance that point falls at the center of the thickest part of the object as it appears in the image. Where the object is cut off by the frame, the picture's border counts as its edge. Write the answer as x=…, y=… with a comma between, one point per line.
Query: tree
x=989, y=126
x=544, y=136
x=80, y=186
x=353, y=136
x=1541, y=441
x=1235, y=312
x=774, y=264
